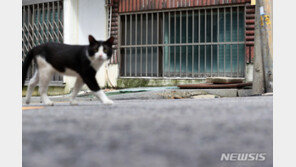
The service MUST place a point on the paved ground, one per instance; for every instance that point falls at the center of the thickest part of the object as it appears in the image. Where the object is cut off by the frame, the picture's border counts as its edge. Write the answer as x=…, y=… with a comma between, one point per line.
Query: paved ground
x=148, y=133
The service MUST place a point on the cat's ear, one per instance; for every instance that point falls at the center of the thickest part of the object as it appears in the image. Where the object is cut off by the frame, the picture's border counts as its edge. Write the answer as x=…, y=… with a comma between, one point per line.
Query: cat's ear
x=91, y=40
x=110, y=41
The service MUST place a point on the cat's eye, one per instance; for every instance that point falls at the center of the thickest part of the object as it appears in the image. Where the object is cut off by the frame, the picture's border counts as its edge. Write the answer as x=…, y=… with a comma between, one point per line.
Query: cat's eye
x=105, y=50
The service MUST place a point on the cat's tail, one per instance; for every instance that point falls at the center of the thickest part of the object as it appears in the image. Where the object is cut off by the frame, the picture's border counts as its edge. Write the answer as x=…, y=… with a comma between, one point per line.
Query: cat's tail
x=26, y=65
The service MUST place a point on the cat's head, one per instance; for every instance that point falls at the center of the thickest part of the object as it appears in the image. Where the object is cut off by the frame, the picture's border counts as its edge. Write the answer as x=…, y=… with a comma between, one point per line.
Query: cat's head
x=100, y=50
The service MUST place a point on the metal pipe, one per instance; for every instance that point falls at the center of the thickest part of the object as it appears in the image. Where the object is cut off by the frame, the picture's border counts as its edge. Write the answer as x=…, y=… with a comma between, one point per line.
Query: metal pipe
x=125, y=42
x=231, y=22
x=157, y=42
x=130, y=49
x=169, y=49
x=141, y=61
x=146, y=44
x=192, y=42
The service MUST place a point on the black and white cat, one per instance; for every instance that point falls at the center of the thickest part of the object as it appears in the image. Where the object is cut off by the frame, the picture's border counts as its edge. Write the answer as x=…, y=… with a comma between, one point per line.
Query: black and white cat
x=80, y=61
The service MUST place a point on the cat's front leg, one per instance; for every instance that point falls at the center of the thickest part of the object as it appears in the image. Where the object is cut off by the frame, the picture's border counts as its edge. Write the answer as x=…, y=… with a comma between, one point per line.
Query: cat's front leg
x=92, y=84
x=102, y=96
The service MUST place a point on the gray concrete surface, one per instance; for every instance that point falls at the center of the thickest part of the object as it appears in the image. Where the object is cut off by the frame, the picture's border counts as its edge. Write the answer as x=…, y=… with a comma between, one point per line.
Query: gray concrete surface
x=148, y=133
x=153, y=93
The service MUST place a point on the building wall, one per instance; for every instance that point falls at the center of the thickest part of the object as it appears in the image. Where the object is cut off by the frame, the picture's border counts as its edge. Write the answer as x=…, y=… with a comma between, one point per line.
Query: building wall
x=82, y=18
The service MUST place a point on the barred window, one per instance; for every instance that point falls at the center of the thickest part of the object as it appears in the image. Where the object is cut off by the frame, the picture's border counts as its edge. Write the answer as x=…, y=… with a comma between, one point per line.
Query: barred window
x=41, y=23
x=183, y=43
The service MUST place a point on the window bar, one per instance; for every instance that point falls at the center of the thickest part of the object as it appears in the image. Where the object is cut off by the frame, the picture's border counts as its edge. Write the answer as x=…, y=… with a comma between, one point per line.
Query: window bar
x=157, y=42
x=130, y=48
x=141, y=61
x=237, y=42
x=58, y=30
x=28, y=27
x=175, y=56
x=53, y=30
x=152, y=42
x=187, y=43
x=231, y=22
x=146, y=44
x=32, y=33
x=205, y=65
x=27, y=30
x=62, y=18
x=53, y=21
x=180, y=43
x=136, y=43
x=211, y=42
x=32, y=25
x=218, y=39
x=38, y=25
x=125, y=42
x=199, y=42
x=192, y=42
x=58, y=23
x=169, y=49
x=43, y=22
x=48, y=34
x=225, y=41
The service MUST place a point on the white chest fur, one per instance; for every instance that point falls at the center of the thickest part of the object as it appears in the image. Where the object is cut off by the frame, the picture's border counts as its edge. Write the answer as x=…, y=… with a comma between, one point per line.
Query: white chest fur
x=97, y=64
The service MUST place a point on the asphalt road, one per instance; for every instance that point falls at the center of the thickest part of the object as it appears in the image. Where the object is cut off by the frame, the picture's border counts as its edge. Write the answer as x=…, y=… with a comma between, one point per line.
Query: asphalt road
x=148, y=133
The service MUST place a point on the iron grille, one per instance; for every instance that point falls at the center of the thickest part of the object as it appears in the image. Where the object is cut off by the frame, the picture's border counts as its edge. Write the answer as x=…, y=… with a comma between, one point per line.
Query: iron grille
x=41, y=23
x=197, y=42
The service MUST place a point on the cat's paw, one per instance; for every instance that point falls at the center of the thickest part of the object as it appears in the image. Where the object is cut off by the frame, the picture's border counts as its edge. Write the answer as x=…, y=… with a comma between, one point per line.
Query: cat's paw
x=108, y=102
x=28, y=101
x=49, y=103
x=74, y=103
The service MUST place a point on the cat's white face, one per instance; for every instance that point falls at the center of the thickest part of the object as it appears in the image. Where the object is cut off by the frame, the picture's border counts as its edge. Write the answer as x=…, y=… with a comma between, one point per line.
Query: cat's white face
x=101, y=54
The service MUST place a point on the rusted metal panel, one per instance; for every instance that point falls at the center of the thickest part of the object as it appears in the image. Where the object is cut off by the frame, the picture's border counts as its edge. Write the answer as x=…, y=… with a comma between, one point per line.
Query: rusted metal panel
x=247, y=57
x=209, y=2
x=250, y=32
x=250, y=38
x=136, y=5
x=249, y=43
x=140, y=5
x=252, y=53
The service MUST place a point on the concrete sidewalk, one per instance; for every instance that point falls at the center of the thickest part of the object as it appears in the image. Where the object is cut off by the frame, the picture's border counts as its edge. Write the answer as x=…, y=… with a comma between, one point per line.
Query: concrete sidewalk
x=154, y=93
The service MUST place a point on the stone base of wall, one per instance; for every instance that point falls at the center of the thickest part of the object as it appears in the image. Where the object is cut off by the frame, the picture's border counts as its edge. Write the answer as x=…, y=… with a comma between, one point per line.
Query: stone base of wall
x=154, y=82
x=52, y=91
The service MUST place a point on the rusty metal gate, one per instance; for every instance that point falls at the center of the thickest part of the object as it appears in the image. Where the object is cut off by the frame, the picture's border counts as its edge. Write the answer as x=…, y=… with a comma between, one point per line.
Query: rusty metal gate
x=195, y=42
x=41, y=23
